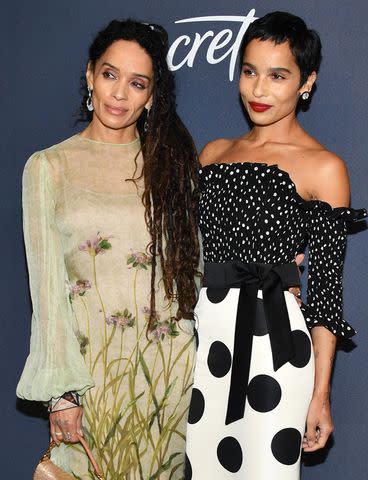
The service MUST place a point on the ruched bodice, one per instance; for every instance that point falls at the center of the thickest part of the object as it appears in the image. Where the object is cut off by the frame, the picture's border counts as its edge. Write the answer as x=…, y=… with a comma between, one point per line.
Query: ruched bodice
x=252, y=212
x=249, y=212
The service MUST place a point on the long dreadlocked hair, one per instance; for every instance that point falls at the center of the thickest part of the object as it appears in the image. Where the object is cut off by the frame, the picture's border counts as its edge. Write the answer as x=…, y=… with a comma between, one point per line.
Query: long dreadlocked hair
x=170, y=169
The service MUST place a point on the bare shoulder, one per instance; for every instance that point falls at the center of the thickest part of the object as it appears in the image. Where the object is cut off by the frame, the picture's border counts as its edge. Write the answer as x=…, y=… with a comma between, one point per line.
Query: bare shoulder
x=321, y=161
x=213, y=151
x=329, y=167
x=330, y=164
x=331, y=179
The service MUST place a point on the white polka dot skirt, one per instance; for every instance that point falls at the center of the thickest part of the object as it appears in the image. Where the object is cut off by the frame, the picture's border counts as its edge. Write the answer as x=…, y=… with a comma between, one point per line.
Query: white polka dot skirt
x=266, y=443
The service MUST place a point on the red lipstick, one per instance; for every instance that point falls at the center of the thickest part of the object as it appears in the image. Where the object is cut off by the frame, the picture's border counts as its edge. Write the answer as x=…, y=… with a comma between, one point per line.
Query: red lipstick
x=259, y=107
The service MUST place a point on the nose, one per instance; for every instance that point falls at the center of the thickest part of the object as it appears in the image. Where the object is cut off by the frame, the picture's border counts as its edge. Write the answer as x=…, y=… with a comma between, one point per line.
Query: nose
x=120, y=90
x=259, y=87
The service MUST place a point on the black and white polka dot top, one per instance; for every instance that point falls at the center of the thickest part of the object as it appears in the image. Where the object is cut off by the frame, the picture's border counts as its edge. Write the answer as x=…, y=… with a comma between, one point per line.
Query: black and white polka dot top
x=252, y=212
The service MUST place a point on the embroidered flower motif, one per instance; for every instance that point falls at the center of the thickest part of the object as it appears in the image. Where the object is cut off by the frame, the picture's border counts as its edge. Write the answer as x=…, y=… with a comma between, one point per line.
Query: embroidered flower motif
x=79, y=288
x=166, y=327
x=161, y=328
x=96, y=245
x=121, y=319
x=139, y=260
x=159, y=332
x=83, y=342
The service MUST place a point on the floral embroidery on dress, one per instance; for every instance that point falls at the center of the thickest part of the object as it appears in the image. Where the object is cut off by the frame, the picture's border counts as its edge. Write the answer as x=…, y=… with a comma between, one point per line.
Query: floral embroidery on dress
x=139, y=260
x=95, y=245
x=133, y=417
x=166, y=327
x=121, y=319
x=78, y=288
x=161, y=327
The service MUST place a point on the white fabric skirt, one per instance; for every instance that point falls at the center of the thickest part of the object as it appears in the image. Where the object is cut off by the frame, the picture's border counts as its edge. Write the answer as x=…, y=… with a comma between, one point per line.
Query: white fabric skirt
x=266, y=443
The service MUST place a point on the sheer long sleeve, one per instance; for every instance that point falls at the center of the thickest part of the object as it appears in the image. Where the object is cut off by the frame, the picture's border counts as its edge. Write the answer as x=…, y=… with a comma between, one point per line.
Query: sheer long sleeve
x=54, y=365
x=327, y=243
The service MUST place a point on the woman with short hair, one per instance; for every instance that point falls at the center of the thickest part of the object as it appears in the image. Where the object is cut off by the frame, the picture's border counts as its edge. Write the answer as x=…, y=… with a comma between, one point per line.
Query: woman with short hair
x=263, y=363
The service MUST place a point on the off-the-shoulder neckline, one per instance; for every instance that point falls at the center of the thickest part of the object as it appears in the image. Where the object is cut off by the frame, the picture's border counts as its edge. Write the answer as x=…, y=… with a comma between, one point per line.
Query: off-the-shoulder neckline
x=260, y=164
x=307, y=204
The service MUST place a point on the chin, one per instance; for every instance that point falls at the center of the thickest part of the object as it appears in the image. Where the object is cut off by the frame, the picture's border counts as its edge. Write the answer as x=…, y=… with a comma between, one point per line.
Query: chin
x=114, y=124
x=265, y=123
x=260, y=119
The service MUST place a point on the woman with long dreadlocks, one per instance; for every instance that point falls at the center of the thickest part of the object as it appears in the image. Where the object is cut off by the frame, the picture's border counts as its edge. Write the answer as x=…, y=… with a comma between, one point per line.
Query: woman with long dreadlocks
x=111, y=237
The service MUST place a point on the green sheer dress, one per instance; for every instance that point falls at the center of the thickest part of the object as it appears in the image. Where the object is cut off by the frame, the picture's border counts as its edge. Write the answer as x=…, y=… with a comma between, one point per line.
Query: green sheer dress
x=90, y=274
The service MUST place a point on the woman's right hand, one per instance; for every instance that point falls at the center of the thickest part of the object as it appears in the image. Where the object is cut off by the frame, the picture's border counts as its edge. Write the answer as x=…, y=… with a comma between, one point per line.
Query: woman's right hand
x=66, y=425
x=296, y=290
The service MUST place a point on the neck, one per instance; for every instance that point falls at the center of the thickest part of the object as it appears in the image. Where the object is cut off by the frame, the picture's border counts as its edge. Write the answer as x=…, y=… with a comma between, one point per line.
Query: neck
x=280, y=132
x=100, y=133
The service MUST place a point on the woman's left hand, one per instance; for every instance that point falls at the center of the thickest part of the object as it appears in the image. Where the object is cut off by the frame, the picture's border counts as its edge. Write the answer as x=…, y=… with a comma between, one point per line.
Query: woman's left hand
x=319, y=423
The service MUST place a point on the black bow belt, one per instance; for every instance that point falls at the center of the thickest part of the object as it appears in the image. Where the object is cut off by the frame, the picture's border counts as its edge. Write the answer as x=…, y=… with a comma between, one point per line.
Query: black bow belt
x=251, y=277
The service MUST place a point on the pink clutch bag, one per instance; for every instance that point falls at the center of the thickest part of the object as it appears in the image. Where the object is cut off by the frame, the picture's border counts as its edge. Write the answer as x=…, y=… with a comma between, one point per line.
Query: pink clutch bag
x=46, y=470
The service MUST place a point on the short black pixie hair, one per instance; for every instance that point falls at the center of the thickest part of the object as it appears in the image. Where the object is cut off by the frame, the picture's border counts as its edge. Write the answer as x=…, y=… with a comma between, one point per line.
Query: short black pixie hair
x=282, y=27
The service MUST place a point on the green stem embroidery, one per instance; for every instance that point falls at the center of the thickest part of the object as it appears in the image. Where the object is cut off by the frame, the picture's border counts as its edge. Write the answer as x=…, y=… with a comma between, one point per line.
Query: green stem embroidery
x=88, y=332
x=119, y=362
x=104, y=316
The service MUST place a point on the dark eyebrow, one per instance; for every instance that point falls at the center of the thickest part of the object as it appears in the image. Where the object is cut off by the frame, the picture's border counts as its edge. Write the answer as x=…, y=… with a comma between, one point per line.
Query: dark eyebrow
x=141, y=75
x=107, y=64
x=273, y=69
x=280, y=69
x=249, y=65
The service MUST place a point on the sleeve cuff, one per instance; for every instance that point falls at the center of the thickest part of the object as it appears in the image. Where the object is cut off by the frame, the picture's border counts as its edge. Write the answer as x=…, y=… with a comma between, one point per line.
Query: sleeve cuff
x=339, y=327
x=66, y=401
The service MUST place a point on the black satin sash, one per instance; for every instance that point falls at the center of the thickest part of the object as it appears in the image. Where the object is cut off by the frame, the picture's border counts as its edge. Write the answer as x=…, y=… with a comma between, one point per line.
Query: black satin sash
x=251, y=277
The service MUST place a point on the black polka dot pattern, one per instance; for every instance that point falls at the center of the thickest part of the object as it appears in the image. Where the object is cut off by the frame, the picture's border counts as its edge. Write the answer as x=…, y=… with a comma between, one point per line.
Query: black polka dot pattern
x=230, y=454
x=264, y=393
x=217, y=295
x=219, y=359
x=196, y=336
x=286, y=446
x=252, y=212
x=197, y=406
x=302, y=348
x=188, y=469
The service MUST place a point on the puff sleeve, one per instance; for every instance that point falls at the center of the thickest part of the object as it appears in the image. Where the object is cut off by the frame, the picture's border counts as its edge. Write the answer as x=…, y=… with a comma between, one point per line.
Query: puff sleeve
x=327, y=233
x=54, y=365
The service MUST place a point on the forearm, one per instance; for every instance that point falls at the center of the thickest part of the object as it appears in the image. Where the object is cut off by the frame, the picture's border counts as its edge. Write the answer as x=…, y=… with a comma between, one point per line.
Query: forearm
x=324, y=345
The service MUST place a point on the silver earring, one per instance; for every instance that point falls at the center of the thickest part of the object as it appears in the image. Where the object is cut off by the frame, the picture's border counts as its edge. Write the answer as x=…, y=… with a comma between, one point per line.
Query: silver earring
x=305, y=95
x=145, y=126
x=89, y=103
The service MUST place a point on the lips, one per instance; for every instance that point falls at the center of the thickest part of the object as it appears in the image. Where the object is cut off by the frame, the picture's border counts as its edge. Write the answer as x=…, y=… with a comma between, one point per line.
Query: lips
x=259, y=107
x=116, y=110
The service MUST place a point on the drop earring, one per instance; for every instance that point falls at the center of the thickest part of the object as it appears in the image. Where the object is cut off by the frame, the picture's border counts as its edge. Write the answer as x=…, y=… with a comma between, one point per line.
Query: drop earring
x=89, y=103
x=145, y=126
x=305, y=95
